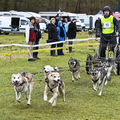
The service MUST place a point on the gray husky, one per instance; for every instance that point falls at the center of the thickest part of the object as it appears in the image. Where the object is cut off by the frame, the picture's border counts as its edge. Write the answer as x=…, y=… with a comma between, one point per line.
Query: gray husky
x=74, y=67
x=108, y=64
x=99, y=77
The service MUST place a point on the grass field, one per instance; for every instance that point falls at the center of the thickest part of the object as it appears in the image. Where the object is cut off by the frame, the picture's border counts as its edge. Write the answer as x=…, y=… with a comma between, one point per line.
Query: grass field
x=82, y=103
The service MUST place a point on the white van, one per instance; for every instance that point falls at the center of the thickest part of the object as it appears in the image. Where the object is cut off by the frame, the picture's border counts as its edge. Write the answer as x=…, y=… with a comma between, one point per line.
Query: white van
x=28, y=15
x=13, y=23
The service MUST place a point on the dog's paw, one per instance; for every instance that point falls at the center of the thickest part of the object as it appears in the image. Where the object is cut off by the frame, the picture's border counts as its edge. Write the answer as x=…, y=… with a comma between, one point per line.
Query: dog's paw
x=28, y=104
x=99, y=94
x=19, y=101
x=50, y=101
x=72, y=80
x=94, y=89
x=109, y=78
x=53, y=105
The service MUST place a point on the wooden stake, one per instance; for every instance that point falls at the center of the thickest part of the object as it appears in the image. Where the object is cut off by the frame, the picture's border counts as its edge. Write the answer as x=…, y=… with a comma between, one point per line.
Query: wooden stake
x=11, y=53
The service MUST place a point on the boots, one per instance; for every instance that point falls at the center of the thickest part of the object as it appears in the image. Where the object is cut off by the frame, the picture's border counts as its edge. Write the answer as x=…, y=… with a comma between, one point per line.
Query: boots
x=53, y=53
x=70, y=50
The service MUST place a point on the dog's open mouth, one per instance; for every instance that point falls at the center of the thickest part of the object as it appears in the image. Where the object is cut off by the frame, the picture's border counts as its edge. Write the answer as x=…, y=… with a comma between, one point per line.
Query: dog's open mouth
x=93, y=74
x=15, y=84
x=71, y=63
x=56, y=82
x=46, y=72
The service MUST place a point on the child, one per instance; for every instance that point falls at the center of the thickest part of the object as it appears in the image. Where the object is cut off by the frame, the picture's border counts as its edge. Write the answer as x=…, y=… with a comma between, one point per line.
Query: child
x=62, y=36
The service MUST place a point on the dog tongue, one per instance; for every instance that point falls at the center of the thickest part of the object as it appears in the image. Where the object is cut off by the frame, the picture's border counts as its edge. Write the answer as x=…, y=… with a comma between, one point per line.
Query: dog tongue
x=14, y=84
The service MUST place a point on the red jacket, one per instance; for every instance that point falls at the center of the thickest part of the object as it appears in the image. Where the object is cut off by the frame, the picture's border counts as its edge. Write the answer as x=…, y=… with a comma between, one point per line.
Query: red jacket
x=32, y=35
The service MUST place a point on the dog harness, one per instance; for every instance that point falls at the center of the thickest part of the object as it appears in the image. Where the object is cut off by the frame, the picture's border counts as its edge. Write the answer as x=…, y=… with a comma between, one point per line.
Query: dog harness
x=51, y=89
x=95, y=80
x=21, y=85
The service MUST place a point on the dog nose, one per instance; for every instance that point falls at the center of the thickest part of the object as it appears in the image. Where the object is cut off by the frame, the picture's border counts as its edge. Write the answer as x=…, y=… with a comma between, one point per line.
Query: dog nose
x=16, y=81
x=58, y=80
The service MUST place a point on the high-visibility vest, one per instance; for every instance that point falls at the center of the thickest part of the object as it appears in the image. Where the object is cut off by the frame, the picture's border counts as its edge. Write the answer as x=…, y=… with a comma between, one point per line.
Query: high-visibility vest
x=107, y=25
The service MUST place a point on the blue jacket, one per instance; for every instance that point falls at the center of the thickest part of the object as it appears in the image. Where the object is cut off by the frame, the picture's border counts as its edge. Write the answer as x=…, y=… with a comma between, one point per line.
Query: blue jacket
x=58, y=28
x=66, y=26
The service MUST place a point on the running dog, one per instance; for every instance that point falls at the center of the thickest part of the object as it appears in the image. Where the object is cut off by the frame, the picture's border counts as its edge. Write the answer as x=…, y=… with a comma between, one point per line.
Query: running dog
x=91, y=32
x=74, y=68
x=55, y=85
x=48, y=69
x=99, y=77
x=108, y=64
x=23, y=83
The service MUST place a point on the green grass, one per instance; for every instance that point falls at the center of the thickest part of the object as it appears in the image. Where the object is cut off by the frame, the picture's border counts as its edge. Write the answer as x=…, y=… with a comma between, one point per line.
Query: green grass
x=82, y=103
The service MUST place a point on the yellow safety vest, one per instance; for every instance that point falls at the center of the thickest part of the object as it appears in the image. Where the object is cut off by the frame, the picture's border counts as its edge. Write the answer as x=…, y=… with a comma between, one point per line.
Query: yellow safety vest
x=107, y=25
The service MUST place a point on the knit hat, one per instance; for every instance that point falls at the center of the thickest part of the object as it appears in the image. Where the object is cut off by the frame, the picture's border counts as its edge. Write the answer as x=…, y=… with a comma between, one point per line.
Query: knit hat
x=57, y=15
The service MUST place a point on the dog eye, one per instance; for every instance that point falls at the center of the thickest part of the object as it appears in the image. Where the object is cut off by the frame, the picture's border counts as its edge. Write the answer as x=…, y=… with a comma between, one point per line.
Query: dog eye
x=14, y=77
x=18, y=77
x=54, y=76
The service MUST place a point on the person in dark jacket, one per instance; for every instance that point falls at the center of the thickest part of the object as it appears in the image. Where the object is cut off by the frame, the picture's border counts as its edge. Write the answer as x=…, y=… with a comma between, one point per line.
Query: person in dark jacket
x=96, y=22
x=62, y=36
x=38, y=36
x=52, y=34
x=32, y=38
x=71, y=32
x=106, y=25
x=119, y=27
x=56, y=20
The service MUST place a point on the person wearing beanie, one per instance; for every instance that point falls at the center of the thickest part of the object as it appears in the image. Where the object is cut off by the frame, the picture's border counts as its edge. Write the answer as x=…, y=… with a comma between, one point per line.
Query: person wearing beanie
x=108, y=26
x=62, y=36
x=71, y=32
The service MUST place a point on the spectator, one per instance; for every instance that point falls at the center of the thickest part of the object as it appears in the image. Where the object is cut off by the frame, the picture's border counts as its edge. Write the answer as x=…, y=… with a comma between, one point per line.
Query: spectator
x=71, y=32
x=32, y=38
x=62, y=36
x=66, y=26
x=52, y=34
x=96, y=22
x=38, y=36
x=57, y=19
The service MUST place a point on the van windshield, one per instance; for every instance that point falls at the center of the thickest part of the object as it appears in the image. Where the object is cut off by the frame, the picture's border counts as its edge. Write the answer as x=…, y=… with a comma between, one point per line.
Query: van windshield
x=24, y=22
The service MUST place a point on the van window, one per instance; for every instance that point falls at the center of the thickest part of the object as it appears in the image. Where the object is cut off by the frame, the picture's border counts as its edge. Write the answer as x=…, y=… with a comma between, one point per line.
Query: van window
x=24, y=22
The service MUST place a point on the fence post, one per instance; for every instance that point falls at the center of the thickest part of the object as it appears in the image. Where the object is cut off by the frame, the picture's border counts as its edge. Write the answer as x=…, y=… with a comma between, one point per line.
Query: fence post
x=11, y=53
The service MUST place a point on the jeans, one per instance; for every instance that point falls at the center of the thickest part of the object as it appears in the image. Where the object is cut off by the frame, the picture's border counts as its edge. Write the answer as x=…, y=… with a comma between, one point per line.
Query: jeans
x=36, y=48
x=53, y=46
x=70, y=42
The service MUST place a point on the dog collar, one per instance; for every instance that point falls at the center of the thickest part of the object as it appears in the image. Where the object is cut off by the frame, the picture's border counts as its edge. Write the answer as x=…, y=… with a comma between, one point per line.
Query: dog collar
x=22, y=83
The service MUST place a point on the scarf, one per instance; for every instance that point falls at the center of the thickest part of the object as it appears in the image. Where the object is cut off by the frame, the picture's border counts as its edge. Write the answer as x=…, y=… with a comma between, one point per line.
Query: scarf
x=61, y=32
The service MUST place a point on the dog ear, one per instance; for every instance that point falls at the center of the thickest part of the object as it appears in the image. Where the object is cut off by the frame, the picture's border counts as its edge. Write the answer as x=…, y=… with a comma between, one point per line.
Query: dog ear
x=56, y=69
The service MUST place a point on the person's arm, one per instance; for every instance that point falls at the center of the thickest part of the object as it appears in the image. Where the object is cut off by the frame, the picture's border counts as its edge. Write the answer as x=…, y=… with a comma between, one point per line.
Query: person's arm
x=116, y=23
x=50, y=31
